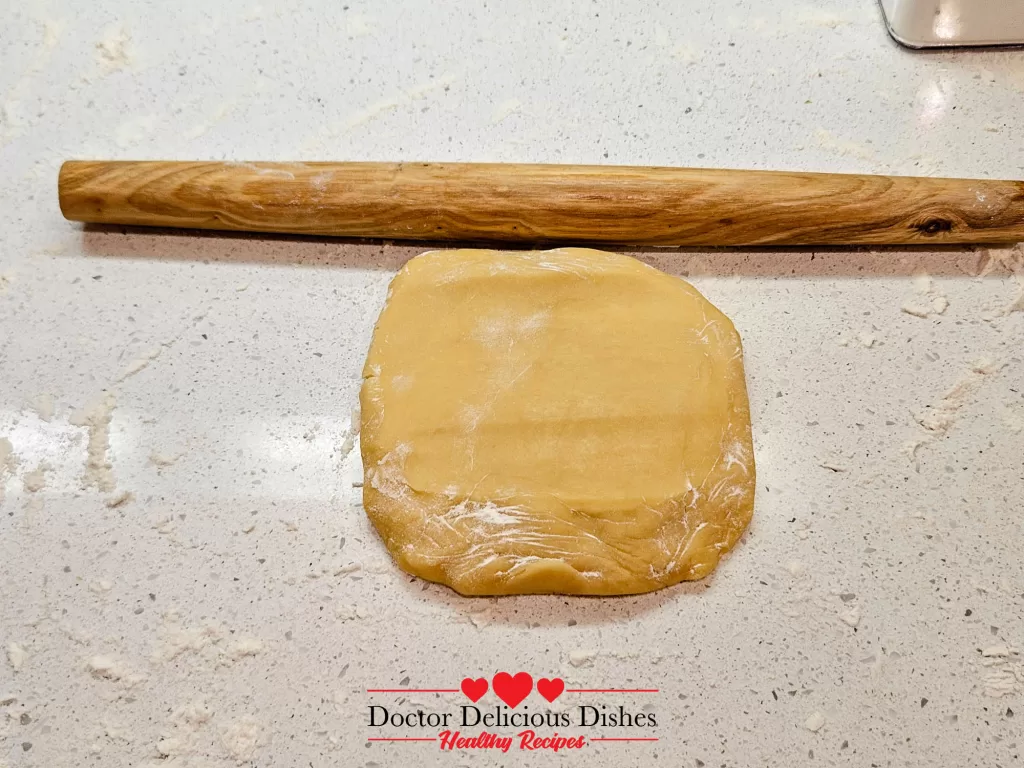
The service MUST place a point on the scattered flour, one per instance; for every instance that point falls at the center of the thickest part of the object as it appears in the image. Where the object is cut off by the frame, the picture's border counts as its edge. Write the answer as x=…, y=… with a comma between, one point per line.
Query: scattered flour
x=96, y=418
x=177, y=740
x=75, y=634
x=814, y=722
x=259, y=170
x=828, y=140
x=1009, y=259
x=350, y=613
x=1017, y=303
x=910, y=448
x=1013, y=418
x=244, y=646
x=479, y=614
x=133, y=131
x=1002, y=671
x=168, y=746
x=487, y=513
x=139, y=363
x=796, y=569
x=16, y=655
x=373, y=110
x=104, y=667
x=580, y=658
x=101, y=586
x=115, y=732
x=164, y=526
x=35, y=481
x=351, y=434
x=113, y=52
x=52, y=30
x=939, y=418
x=33, y=506
x=1013, y=262
x=506, y=109
x=195, y=713
x=43, y=405
x=176, y=640
x=388, y=476
x=8, y=463
x=201, y=128
x=158, y=459
x=927, y=299
x=851, y=615
x=242, y=737
x=1001, y=651
x=419, y=92
x=119, y=500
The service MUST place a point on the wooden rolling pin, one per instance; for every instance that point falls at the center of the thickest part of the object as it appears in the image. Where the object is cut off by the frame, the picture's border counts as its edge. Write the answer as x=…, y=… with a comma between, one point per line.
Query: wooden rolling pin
x=545, y=203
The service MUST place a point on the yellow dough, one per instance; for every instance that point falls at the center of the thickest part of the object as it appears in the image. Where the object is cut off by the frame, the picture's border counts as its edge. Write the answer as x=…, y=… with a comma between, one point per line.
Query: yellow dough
x=567, y=421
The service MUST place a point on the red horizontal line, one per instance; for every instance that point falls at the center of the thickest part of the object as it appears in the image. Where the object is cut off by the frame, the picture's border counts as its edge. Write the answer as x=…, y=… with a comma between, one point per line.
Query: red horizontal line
x=412, y=690
x=611, y=690
x=623, y=739
x=399, y=739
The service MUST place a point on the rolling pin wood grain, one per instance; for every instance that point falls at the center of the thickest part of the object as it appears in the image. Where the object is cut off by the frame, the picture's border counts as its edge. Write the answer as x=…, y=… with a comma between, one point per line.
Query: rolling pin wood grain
x=545, y=203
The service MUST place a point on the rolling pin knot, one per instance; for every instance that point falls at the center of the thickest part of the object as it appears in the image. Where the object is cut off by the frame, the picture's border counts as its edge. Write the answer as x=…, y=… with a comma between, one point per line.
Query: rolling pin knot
x=934, y=226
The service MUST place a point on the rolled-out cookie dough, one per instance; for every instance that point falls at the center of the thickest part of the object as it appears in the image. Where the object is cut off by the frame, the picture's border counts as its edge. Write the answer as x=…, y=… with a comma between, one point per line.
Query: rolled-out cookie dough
x=567, y=421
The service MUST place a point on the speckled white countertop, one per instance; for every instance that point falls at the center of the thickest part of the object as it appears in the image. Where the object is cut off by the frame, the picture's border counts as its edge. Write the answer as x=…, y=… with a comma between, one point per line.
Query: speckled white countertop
x=235, y=607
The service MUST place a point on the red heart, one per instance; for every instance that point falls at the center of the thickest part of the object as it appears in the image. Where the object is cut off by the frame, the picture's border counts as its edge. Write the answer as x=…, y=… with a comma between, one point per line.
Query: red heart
x=474, y=689
x=550, y=689
x=512, y=689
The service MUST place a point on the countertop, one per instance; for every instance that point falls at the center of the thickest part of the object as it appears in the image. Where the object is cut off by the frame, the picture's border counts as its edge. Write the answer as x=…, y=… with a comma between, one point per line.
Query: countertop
x=186, y=576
